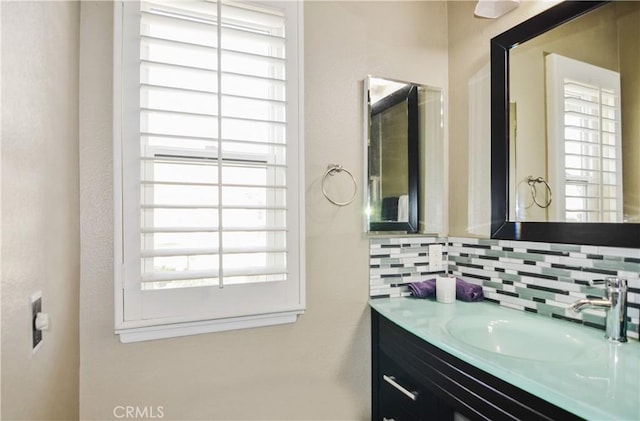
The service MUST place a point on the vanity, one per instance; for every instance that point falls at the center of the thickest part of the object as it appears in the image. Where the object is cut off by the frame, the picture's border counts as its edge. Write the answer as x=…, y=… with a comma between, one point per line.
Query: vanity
x=482, y=361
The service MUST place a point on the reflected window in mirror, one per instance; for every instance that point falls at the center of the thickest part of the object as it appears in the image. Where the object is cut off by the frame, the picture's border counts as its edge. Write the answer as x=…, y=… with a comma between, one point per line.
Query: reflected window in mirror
x=584, y=141
x=404, y=141
x=565, y=137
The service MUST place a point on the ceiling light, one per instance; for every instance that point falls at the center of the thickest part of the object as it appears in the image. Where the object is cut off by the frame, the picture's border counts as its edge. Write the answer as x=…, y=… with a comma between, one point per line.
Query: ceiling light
x=494, y=8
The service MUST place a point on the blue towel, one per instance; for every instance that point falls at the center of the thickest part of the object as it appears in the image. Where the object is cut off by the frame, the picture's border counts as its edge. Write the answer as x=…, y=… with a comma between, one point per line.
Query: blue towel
x=389, y=209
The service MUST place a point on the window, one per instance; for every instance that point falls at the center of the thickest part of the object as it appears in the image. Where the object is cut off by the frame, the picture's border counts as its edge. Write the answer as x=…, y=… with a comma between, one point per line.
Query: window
x=585, y=138
x=208, y=166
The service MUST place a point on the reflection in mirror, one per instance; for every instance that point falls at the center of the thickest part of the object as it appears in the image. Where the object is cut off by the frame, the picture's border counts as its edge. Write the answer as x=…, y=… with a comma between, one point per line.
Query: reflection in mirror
x=574, y=120
x=565, y=148
x=404, y=164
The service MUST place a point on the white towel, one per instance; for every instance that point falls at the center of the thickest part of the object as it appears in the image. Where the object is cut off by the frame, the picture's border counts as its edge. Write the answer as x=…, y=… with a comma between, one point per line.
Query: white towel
x=403, y=208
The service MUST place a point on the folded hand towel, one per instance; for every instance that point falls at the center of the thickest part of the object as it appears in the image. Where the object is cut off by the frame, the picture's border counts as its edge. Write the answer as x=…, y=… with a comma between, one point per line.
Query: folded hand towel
x=423, y=289
x=466, y=291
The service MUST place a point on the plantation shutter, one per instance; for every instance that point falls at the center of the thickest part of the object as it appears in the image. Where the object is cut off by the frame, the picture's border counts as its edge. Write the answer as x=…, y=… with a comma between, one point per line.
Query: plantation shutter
x=210, y=160
x=588, y=140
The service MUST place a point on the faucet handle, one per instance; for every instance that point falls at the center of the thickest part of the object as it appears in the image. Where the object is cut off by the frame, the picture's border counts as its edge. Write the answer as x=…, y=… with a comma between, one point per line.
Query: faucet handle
x=610, y=283
x=617, y=283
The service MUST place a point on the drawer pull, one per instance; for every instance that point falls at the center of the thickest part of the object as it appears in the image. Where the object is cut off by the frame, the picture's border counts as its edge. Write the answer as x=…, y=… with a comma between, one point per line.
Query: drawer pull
x=392, y=381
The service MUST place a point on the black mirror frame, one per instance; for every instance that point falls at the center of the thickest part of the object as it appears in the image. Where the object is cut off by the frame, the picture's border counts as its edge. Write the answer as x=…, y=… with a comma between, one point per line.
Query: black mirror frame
x=410, y=97
x=602, y=234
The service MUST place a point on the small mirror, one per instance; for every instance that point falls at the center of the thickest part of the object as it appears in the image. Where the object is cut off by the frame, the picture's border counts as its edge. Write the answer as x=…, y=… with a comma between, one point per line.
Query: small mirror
x=404, y=142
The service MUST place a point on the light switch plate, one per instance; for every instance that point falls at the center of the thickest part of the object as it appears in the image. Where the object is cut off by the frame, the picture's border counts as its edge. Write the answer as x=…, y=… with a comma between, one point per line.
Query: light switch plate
x=435, y=257
x=36, y=307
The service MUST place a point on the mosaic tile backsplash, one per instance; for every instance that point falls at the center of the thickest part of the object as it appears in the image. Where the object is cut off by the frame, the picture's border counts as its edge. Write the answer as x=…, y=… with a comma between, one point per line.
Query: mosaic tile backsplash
x=541, y=278
x=398, y=261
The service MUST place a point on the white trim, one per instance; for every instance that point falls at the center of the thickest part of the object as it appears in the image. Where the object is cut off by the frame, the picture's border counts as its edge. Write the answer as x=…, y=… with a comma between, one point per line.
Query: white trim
x=138, y=334
x=118, y=251
x=301, y=250
x=479, y=148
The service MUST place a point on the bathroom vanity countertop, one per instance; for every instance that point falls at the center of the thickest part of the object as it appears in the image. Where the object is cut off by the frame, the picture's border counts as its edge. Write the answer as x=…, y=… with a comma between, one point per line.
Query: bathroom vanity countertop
x=604, y=383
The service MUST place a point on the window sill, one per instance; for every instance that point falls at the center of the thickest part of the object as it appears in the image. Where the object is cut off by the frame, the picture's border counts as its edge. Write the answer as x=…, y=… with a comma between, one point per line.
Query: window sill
x=149, y=333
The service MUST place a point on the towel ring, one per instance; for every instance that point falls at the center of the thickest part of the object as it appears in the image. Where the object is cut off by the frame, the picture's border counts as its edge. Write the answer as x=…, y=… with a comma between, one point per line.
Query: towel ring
x=331, y=170
x=532, y=181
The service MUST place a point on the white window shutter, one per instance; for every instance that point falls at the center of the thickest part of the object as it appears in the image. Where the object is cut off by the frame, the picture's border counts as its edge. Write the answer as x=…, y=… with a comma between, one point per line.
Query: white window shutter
x=211, y=148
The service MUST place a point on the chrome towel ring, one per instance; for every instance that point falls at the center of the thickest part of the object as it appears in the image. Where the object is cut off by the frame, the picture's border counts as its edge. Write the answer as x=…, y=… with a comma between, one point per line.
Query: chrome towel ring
x=532, y=181
x=331, y=170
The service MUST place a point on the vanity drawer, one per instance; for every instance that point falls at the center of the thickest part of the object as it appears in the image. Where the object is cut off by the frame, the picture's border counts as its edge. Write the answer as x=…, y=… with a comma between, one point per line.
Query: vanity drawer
x=403, y=398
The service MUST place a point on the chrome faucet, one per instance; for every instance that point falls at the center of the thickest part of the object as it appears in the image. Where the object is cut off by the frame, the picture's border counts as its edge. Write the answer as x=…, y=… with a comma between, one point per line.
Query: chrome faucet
x=615, y=301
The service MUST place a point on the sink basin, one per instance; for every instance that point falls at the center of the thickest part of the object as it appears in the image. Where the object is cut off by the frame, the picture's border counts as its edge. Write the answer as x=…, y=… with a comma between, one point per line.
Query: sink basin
x=524, y=338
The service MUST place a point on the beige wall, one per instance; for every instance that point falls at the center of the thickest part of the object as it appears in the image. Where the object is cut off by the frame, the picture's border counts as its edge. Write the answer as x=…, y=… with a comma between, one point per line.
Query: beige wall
x=40, y=228
x=469, y=39
x=319, y=367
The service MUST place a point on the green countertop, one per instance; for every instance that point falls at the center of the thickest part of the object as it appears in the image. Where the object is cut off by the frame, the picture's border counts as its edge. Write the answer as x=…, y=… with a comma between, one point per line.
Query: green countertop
x=604, y=383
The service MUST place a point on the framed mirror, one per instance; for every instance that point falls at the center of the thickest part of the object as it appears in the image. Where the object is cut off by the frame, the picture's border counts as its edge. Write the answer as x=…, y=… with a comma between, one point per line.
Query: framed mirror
x=565, y=133
x=403, y=135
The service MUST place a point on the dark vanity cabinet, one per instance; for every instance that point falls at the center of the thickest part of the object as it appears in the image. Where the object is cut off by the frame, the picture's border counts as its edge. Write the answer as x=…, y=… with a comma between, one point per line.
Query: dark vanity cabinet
x=414, y=380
